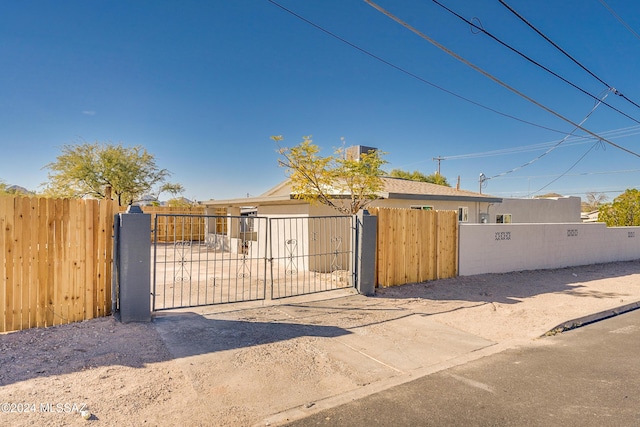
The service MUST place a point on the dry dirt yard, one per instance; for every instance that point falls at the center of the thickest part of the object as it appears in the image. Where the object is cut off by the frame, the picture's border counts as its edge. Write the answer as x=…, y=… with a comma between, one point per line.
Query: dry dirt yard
x=126, y=376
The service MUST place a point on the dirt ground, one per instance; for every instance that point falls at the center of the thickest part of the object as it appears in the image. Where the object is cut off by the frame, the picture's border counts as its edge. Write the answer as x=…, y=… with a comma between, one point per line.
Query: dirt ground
x=125, y=375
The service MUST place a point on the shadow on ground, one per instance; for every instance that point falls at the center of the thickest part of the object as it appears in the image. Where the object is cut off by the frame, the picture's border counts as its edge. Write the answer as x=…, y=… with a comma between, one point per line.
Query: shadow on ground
x=66, y=349
x=207, y=335
x=511, y=288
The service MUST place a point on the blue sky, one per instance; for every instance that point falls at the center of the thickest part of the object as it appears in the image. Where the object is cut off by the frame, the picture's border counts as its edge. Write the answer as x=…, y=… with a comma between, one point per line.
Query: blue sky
x=203, y=86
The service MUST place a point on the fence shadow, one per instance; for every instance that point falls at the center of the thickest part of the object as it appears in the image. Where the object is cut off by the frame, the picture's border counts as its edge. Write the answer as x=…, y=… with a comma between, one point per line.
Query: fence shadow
x=207, y=335
x=103, y=342
x=511, y=288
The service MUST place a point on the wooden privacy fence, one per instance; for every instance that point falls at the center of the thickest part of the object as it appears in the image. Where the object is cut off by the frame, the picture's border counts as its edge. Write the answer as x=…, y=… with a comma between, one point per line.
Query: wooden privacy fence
x=415, y=245
x=179, y=227
x=56, y=259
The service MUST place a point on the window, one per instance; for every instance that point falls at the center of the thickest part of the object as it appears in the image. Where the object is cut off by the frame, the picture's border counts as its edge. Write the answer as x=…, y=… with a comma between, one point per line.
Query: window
x=423, y=208
x=463, y=214
x=503, y=219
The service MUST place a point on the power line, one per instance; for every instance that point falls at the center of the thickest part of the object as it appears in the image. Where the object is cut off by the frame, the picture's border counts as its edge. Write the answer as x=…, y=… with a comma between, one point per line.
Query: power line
x=568, y=170
x=530, y=162
x=627, y=26
x=565, y=52
x=409, y=73
x=491, y=77
x=616, y=133
x=574, y=174
x=516, y=51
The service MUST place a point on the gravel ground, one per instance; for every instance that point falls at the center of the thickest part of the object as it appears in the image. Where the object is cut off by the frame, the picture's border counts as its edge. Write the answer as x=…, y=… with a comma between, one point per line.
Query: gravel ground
x=125, y=375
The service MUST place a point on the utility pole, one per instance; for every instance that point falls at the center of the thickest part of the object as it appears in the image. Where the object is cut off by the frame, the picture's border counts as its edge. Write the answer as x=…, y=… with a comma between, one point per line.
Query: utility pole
x=438, y=159
x=483, y=178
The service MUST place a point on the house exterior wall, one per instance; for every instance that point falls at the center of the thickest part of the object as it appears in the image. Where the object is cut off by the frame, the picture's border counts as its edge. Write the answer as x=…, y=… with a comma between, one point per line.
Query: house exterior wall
x=501, y=248
x=299, y=239
x=474, y=208
x=289, y=209
x=554, y=210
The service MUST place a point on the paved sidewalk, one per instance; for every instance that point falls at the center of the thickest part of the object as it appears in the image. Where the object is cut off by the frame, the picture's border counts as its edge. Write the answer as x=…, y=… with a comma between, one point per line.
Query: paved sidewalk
x=270, y=364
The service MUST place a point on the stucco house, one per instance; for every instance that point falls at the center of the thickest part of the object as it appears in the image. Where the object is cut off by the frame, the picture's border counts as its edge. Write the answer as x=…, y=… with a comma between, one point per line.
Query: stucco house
x=396, y=193
x=280, y=204
x=548, y=210
x=473, y=208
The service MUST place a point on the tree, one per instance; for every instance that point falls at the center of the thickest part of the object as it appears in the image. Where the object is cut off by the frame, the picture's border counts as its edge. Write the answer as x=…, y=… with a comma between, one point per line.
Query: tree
x=434, y=178
x=343, y=183
x=87, y=170
x=593, y=201
x=624, y=211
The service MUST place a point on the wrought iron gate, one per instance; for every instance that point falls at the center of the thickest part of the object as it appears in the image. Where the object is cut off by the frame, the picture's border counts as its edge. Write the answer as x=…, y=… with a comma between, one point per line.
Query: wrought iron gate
x=310, y=254
x=205, y=260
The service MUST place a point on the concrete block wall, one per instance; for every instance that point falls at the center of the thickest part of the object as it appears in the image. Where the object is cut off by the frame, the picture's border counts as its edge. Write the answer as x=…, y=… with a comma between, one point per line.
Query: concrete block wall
x=501, y=248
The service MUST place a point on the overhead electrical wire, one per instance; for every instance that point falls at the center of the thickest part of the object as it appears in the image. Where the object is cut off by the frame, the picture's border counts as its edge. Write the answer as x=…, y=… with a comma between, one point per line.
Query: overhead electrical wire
x=491, y=77
x=516, y=51
x=565, y=53
x=627, y=26
x=568, y=170
x=612, y=134
x=574, y=174
x=530, y=162
x=410, y=74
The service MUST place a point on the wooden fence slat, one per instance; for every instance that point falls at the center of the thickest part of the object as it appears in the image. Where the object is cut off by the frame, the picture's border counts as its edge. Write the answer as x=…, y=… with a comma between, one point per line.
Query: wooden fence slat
x=21, y=238
x=64, y=278
x=112, y=208
x=431, y=254
x=9, y=263
x=447, y=245
x=33, y=260
x=4, y=202
x=414, y=256
x=79, y=247
x=103, y=239
x=43, y=262
x=90, y=279
x=51, y=261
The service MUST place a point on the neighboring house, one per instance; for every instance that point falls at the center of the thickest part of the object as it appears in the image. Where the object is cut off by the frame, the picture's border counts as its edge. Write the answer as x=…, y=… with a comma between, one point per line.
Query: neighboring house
x=548, y=210
x=148, y=200
x=590, y=216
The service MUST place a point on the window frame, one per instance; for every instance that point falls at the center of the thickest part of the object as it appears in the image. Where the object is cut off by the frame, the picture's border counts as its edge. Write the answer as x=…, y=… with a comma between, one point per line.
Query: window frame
x=463, y=213
x=504, y=218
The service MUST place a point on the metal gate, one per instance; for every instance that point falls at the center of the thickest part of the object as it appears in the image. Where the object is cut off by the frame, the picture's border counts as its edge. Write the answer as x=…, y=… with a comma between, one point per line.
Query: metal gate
x=204, y=259
x=310, y=254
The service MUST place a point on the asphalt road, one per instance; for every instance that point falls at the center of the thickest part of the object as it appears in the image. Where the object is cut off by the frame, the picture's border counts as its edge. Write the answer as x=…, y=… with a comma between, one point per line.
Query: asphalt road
x=585, y=377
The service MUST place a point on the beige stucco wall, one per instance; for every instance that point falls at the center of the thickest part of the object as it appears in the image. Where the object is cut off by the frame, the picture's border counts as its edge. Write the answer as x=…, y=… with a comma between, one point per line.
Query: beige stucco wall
x=289, y=209
x=556, y=210
x=474, y=208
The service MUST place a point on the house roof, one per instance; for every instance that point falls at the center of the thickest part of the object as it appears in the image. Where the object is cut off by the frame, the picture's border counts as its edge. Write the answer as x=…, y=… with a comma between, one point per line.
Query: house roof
x=393, y=188
x=398, y=188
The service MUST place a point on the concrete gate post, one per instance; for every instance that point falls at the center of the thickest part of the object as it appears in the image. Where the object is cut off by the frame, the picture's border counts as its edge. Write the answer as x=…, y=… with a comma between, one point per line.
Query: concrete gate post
x=366, y=238
x=134, y=265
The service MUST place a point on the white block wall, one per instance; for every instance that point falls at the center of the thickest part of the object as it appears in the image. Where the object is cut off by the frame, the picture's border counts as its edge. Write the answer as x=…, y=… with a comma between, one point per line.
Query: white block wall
x=501, y=248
